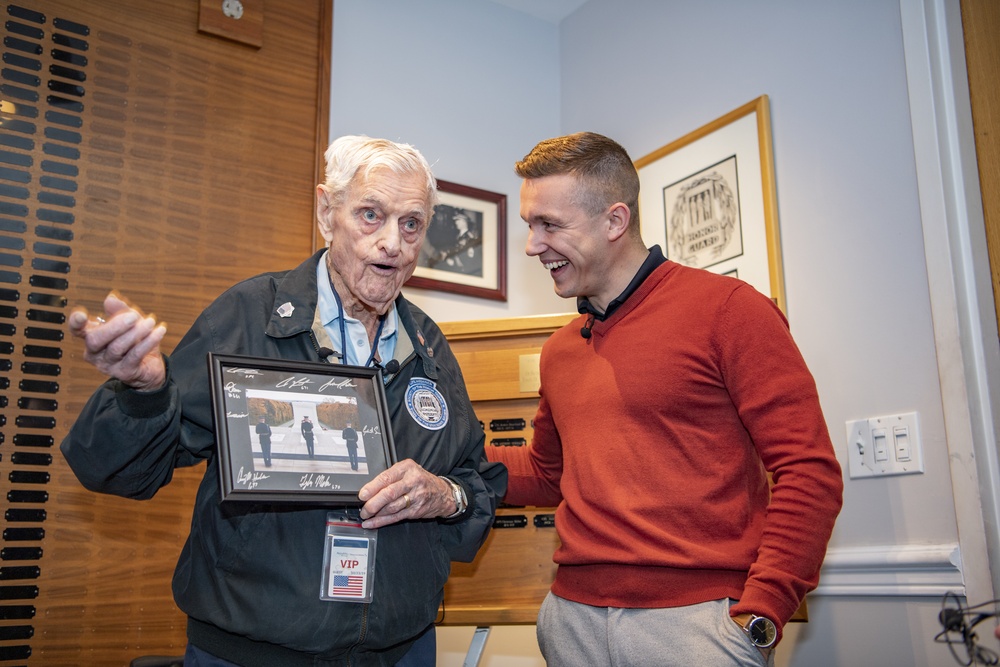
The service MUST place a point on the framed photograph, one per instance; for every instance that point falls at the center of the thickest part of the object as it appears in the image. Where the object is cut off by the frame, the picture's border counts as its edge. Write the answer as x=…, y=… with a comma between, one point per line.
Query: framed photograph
x=465, y=251
x=709, y=199
x=298, y=432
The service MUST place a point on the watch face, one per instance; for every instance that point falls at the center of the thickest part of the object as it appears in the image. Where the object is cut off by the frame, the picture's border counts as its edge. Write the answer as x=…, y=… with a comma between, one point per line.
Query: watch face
x=762, y=632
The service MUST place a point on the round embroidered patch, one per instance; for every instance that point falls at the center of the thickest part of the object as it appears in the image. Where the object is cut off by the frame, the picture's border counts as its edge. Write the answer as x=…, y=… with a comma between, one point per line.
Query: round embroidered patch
x=426, y=404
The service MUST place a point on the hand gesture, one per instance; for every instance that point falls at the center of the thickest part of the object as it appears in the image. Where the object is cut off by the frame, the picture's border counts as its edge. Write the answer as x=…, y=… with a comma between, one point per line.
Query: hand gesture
x=123, y=343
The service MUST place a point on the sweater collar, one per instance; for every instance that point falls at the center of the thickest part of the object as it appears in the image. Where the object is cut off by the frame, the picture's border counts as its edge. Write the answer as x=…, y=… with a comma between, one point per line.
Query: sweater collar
x=653, y=260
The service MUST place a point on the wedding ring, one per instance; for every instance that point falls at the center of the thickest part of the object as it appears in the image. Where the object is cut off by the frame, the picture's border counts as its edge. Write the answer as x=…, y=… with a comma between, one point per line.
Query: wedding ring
x=101, y=320
x=406, y=497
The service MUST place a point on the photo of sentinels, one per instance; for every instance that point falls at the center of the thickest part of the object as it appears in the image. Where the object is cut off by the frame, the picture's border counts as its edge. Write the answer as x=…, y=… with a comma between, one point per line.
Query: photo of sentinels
x=315, y=434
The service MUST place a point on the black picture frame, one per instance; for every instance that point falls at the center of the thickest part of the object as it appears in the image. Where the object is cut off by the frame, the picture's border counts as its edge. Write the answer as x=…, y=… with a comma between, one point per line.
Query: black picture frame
x=465, y=251
x=282, y=394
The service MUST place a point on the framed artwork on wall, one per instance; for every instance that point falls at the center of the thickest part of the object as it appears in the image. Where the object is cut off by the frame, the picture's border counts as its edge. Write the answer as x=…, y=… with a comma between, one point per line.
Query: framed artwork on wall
x=465, y=251
x=296, y=431
x=709, y=199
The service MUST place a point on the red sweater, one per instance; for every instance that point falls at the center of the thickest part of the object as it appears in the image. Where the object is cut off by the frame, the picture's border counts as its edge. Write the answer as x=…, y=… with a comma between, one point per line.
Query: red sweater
x=653, y=436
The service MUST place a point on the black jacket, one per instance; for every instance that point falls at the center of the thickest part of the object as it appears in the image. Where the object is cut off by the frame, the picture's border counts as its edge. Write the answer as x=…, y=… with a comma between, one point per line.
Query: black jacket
x=249, y=575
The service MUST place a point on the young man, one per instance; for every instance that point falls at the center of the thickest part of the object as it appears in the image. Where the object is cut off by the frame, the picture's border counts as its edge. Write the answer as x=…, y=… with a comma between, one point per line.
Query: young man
x=663, y=408
x=250, y=575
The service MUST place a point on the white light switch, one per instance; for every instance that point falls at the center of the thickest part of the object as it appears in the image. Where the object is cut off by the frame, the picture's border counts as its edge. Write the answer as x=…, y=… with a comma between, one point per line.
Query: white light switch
x=879, y=443
x=881, y=446
x=901, y=440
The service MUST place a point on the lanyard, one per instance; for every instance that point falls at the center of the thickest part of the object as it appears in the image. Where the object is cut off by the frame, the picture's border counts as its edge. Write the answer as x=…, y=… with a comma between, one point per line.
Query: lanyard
x=343, y=329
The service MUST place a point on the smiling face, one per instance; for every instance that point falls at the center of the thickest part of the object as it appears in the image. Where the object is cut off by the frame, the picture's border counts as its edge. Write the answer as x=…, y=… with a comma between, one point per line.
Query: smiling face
x=572, y=244
x=374, y=234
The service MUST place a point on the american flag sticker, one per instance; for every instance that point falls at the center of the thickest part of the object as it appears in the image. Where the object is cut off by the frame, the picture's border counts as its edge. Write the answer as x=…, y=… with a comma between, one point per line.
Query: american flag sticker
x=348, y=585
x=348, y=568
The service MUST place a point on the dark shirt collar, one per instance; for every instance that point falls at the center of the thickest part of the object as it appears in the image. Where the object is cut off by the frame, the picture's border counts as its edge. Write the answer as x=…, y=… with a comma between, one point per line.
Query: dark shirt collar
x=653, y=260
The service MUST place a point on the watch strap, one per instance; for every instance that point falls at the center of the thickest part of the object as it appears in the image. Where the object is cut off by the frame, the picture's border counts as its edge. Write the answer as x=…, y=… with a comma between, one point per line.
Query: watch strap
x=458, y=493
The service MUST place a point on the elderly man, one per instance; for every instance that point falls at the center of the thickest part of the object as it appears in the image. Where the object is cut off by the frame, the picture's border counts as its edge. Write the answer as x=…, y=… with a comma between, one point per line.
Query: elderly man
x=250, y=575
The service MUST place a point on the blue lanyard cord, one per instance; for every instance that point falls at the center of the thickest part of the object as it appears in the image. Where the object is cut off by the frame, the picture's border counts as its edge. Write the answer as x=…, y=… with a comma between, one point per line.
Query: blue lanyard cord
x=343, y=329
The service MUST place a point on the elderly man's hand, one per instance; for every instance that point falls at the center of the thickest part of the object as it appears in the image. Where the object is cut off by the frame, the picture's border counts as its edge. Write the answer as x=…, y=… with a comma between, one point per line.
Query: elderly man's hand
x=123, y=343
x=405, y=491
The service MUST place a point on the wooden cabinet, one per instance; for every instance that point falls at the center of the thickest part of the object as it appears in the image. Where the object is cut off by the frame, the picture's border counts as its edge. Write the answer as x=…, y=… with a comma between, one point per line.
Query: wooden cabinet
x=513, y=571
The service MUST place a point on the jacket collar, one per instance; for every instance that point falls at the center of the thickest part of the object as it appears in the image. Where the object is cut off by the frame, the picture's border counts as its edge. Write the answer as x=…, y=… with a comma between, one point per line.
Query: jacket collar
x=295, y=300
x=294, y=313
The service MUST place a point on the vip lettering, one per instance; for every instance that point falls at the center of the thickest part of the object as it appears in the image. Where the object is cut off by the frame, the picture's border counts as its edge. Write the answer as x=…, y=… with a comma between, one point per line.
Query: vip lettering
x=349, y=564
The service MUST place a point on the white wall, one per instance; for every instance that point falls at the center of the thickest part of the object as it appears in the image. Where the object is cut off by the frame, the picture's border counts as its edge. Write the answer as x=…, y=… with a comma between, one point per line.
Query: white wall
x=847, y=193
x=852, y=241
x=473, y=86
x=854, y=258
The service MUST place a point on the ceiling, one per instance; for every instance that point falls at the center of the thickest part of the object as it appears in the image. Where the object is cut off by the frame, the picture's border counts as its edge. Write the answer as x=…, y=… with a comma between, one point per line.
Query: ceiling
x=553, y=11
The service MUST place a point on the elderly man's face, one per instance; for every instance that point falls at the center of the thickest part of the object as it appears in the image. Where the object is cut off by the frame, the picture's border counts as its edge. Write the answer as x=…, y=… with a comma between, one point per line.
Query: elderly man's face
x=374, y=236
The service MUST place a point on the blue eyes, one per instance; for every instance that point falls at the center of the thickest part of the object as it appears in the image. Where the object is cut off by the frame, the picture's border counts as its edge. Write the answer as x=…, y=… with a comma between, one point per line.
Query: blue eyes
x=410, y=225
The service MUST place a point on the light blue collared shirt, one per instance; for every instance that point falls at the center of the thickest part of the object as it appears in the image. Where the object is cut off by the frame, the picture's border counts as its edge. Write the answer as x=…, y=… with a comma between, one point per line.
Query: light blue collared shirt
x=357, y=349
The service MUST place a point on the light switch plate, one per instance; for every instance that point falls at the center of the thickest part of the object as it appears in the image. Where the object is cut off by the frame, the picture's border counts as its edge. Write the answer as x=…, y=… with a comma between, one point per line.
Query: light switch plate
x=903, y=453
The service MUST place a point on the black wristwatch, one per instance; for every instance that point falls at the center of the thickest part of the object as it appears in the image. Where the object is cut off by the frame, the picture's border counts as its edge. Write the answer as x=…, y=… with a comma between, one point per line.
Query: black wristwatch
x=761, y=631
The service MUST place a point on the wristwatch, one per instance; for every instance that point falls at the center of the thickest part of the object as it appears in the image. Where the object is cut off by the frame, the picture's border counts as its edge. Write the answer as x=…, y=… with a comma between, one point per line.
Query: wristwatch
x=461, y=501
x=761, y=631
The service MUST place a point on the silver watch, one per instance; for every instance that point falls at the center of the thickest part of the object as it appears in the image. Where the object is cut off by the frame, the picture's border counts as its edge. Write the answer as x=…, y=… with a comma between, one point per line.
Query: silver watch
x=458, y=492
x=761, y=631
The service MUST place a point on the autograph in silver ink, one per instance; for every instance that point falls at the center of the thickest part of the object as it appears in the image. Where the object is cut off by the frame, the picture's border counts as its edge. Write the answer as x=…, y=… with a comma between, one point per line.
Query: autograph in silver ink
x=294, y=383
x=315, y=481
x=345, y=383
x=245, y=372
x=251, y=478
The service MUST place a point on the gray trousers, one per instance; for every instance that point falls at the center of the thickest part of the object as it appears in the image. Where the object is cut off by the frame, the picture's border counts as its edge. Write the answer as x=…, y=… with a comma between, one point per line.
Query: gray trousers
x=571, y=634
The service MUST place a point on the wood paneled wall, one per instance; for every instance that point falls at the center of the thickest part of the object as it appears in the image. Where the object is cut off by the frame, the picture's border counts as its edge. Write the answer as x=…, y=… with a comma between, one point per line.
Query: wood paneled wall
x=136, y=154
x=981, y=26
x=512, y=573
